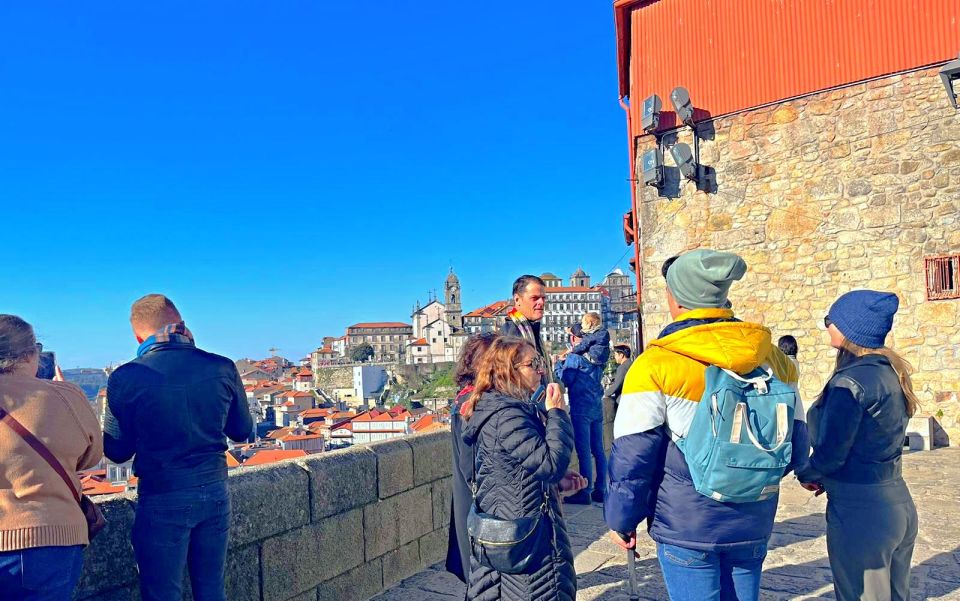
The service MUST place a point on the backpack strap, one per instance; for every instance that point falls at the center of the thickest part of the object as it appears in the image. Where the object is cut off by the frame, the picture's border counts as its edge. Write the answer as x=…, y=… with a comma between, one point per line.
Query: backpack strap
x=40, y=448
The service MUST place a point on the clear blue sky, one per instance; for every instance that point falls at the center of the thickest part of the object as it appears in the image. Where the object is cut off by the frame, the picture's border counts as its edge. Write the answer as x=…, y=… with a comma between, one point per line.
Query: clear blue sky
x=284, y=169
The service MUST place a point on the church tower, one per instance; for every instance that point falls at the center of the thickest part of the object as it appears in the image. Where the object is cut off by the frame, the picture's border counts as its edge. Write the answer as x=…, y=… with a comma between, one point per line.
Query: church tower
x=452, y=299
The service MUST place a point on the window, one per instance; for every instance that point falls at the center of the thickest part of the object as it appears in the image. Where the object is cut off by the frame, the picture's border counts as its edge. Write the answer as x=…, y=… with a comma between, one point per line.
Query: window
x=943, y=277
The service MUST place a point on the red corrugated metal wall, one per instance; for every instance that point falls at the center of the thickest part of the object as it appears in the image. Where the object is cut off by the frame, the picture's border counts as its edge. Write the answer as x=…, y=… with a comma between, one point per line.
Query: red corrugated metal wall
x=736, y=54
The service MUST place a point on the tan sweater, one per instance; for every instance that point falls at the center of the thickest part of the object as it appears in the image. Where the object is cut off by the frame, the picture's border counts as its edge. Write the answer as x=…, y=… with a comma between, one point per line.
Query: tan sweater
x=36, y=508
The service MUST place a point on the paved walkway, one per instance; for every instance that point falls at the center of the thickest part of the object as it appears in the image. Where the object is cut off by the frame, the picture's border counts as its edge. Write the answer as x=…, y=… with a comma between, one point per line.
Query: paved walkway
x=796, y=567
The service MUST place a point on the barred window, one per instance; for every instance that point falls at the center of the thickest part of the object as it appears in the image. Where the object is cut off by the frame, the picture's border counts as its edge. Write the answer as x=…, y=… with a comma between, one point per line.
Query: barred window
x=943, y=277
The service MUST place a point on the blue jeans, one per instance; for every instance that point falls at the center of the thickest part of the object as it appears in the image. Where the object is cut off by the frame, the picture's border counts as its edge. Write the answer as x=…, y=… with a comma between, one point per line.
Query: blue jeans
x=187, y=527
x=40, y=573
x=693, y=575
x=588, y=439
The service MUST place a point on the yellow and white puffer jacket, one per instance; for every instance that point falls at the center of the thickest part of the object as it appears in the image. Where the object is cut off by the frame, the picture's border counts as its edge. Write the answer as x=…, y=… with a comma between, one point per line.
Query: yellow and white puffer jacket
x=647, y=473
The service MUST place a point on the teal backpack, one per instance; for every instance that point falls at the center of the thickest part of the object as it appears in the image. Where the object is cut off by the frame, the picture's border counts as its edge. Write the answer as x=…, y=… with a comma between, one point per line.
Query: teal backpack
x=738, y=445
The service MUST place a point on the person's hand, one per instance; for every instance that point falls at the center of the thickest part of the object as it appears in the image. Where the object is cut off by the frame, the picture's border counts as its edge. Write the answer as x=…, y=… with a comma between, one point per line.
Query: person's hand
x=554, y=397
x=571, y=483
x=815, y=487
x=625, y=541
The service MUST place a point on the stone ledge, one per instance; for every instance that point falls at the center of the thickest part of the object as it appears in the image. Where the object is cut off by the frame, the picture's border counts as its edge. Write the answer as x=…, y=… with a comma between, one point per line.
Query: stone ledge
x=299, y=561
x=394, y=466
x=341, y=480
x=109, y=562
x=431, y=457
x=280, y=491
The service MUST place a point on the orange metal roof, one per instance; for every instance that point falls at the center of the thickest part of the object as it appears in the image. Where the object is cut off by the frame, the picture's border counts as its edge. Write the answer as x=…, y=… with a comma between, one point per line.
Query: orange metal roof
x=733, y=56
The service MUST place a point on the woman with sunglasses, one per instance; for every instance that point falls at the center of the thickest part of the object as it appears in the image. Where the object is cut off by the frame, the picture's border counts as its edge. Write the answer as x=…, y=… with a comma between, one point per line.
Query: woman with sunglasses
x=857, y=428
x=522, y=455
x=42, y=528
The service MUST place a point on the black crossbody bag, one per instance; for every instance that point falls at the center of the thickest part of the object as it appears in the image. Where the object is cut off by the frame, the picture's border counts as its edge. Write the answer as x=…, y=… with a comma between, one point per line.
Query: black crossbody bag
x=508, y=546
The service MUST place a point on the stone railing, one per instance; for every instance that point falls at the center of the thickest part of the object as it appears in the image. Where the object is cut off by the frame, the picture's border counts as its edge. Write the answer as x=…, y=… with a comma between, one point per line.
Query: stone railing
x=341, y=526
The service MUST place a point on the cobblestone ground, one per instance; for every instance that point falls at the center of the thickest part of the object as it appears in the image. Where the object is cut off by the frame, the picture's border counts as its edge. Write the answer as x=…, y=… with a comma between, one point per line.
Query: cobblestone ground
x=796, y=567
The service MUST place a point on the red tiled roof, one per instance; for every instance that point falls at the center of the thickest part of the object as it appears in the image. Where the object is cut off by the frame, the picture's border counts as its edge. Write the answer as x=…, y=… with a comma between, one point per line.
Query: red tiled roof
x=420, y=342
x=380, y=324
x=232, y=461
x=292, y=437
x=422, y=423
x=276, y=434
x=434, y=427
x=298, y=394
x=490, y=310
x=316, y=412
x=271, y=456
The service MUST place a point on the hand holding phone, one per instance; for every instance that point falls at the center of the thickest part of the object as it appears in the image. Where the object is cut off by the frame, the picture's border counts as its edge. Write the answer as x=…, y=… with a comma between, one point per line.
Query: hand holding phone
x=554, y=396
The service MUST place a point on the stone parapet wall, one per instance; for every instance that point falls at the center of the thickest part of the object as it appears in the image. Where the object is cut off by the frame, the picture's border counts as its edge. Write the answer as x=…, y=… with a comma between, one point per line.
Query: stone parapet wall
x=338, y=526
x=849, y=188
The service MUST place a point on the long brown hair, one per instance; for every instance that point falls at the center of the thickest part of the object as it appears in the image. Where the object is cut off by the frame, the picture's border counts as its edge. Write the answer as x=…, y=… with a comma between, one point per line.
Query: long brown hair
x=465, y=372
x=850, y=350
x=497, y=370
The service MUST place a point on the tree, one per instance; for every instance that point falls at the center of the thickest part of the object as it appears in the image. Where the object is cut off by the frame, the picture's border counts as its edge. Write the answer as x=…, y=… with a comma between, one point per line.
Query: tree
x=361, y=353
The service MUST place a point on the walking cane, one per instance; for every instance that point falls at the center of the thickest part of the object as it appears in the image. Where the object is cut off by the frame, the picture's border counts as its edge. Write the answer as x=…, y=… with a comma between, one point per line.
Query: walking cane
x=631, y=569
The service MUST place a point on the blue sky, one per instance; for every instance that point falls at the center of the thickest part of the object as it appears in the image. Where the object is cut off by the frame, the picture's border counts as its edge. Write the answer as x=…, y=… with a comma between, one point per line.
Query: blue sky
x=284, y=169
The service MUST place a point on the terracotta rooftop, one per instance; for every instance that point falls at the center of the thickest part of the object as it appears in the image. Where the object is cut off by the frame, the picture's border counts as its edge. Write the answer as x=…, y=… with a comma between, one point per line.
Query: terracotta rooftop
x=271, y=456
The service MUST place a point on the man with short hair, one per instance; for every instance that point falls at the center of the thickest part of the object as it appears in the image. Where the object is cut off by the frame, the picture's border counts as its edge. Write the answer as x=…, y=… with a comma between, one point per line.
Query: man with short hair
x=708, y=549
x=171, y=409
x=523, y=320
x=621, y=354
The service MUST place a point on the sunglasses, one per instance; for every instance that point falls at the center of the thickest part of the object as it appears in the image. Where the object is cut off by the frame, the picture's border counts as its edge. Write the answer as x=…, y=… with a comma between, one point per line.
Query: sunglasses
x=827, y=322
x=536, y=364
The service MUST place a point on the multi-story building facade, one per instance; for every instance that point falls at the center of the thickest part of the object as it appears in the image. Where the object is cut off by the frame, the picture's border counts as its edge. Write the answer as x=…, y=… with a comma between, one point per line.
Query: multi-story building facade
x=565, y=307
x=388, y=338
x=622, y=311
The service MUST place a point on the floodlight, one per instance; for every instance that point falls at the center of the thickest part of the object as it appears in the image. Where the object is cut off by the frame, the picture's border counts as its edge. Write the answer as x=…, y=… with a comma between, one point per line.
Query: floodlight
x=680, y=98
x=683, y=157
x=652, y=164
x=950, y=74
x=650, y=116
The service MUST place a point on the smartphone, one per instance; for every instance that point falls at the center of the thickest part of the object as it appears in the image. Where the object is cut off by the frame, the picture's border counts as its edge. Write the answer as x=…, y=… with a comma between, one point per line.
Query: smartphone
x=539, y=398
x=48, y=365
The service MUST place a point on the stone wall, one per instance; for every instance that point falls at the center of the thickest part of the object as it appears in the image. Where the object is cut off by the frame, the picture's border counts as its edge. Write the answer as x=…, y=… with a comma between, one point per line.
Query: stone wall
x=849, y=188
x=338, y=526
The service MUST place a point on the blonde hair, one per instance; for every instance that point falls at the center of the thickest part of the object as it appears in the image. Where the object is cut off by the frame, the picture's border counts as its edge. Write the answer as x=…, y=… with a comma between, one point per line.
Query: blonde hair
x=154, y=311
x=850, y=350
x=591, y=322
x=497, y=370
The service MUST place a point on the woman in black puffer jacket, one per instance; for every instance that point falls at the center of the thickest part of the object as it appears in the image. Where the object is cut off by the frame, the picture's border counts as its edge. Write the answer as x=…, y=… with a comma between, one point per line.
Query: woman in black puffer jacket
x=522, y=452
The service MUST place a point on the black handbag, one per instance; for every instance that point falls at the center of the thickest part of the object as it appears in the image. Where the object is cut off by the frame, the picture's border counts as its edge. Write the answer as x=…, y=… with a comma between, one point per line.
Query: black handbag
x=508, y=545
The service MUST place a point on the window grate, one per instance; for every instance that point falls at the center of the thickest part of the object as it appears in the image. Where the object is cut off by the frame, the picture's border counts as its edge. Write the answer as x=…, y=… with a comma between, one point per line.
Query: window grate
x=943, y=277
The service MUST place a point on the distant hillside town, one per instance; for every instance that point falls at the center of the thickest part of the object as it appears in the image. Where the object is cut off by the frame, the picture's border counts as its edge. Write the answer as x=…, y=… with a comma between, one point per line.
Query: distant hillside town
x=380, y=379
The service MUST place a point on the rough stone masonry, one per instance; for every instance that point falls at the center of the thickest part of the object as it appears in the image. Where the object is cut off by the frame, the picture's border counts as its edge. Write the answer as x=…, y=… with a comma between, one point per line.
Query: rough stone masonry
x=849, y=188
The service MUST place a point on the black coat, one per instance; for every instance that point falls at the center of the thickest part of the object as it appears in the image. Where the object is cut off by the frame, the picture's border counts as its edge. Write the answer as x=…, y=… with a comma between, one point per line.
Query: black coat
x=172, y=409
x=517, y=455
x=858, y=425
x=458, y=545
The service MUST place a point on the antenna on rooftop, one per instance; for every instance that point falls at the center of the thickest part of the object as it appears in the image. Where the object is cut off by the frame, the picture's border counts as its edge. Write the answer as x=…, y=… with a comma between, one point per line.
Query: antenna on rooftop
x=273, y=351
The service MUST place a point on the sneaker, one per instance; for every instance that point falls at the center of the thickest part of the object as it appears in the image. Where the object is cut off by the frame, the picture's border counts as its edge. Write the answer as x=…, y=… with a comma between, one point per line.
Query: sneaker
x=579, y=498
x=597, y=496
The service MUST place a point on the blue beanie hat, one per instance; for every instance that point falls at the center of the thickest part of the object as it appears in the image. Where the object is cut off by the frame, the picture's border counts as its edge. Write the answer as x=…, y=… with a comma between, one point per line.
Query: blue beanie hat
x=865, y=317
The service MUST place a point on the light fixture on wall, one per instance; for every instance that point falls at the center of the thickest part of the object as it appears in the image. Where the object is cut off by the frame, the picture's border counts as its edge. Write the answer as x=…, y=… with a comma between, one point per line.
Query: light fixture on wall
x=652, y=165
x=683, y=157
x=680, y=98
x=950, y=74
x=650, y=114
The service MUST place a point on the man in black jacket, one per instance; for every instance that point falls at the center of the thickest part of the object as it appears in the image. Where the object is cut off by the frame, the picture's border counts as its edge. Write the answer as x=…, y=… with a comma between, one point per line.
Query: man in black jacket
x=171, y=409
x=523, y=320
x=621, y=354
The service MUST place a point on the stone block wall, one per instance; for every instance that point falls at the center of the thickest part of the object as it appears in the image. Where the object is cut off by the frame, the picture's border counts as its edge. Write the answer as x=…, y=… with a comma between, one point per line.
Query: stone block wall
x=338, y=526
x=849, y=188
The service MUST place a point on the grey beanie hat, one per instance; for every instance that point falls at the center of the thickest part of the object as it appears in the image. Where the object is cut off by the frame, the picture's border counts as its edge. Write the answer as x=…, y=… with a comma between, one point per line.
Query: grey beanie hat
x=701, y=278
